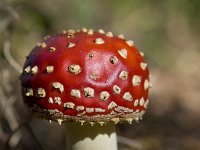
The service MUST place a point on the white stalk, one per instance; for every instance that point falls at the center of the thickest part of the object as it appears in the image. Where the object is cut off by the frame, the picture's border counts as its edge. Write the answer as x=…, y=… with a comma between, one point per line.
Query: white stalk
x=87, y=137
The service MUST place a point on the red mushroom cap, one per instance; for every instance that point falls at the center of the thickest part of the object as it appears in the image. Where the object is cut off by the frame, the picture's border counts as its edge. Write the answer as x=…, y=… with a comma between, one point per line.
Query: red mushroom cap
x=86, y=76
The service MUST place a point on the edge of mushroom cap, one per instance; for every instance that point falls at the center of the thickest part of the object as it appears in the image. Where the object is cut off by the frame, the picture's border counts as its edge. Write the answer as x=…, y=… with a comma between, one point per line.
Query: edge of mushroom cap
x=57, y=116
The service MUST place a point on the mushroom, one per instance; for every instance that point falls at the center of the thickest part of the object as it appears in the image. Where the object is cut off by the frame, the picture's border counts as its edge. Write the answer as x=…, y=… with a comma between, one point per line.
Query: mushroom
x=89, y=81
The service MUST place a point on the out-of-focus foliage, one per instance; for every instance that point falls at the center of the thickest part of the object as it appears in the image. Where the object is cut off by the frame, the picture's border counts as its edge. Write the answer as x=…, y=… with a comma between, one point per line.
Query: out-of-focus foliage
x=166, y=31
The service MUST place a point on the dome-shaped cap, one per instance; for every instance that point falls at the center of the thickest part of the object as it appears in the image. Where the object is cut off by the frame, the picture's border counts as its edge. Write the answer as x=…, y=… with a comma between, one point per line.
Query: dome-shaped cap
x=86, y=76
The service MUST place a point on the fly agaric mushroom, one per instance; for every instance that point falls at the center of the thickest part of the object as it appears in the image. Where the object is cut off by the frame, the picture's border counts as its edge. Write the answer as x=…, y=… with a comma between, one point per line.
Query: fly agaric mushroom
x=93, y=79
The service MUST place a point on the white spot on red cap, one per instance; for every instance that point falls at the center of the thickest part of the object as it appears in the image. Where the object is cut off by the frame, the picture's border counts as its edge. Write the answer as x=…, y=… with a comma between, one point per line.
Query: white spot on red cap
x=104, y=95
x=122, y=109
x=70, y=44
x=42, y=44
x=52, y=49
x=84, y=29
x=116, y=89
x=142, y=54
x=141, y=101
x=27, y=69
x=147, y=84
x=58, y=86
x=123, y=75
x=80, y=108
x=41, y=92
x=98, y=41
x=114, y=60
x=90, y=31
x=123, y=53
x=70, y=35
x=28, y=91
x=99, y=110
x=121, y=36
x=136, y=80
x=34, y=70
x=69, y=105
x=50, y=69
x=143, y=66
x=74, y=68
x=57, y=100
x=94, y=76
x=101, y=31
x=127, y=96
x=109, y=34
x=89, y=110
x=76, y=93
x=130, y=42
x=89, y=92
x=136, y=102
x=112, y=105
x=50, y=100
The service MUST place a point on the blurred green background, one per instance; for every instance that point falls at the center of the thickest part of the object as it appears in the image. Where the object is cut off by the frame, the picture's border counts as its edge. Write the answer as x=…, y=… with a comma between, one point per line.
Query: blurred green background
x=168, y=32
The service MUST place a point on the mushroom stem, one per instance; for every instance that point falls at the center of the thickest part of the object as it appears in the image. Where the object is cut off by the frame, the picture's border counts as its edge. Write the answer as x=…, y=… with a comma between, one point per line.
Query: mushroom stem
x=89, y=137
